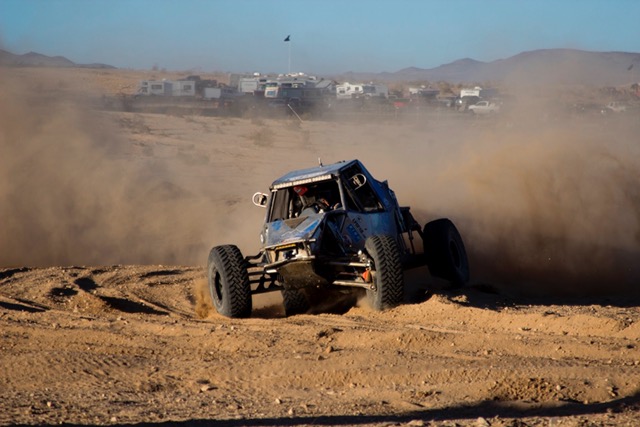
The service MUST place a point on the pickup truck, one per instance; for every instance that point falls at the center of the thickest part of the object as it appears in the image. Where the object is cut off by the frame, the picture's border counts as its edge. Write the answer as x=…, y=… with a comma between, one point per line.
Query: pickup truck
x=484, y=107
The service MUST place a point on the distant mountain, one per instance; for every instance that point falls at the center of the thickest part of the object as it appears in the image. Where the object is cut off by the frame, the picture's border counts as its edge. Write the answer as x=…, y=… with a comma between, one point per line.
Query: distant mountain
x=33, y=59
x=457, y=70
x=545, y=66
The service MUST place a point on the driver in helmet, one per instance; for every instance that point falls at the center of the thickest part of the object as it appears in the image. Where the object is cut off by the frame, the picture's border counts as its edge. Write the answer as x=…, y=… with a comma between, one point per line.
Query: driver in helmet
x=311, y=204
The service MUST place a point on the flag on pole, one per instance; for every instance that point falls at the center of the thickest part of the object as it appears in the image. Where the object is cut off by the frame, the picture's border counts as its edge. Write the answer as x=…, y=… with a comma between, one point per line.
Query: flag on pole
x=628, y=69
x=288, y=38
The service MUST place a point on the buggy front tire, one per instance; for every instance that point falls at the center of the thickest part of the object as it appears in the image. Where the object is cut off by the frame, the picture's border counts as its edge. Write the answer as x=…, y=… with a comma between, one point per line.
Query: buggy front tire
x=445, y=253
x=229, y=281
x=387, y=274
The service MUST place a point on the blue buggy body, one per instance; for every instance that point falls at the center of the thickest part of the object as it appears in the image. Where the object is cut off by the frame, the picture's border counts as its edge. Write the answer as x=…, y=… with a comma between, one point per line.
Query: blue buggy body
x=336, y=226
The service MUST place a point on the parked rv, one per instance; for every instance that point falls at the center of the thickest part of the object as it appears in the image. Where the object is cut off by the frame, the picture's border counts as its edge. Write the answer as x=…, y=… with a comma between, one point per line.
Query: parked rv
x=361, y=90
x=167, y=88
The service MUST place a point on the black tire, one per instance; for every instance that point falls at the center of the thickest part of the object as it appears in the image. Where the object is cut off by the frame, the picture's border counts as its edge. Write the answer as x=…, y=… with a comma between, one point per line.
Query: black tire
x=295, y=302
x=387, y=275
x=445, y=253
x=229, y=281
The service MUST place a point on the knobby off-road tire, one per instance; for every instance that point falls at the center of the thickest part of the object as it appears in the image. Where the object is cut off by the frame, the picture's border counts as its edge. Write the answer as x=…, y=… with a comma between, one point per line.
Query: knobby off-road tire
x=295, y=302
x=387, y=275
x=445, y=253
x=229, y=281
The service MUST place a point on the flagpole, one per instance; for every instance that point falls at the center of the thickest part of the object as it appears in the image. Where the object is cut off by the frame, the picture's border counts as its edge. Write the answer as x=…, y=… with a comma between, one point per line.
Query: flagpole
x=289, y=56
x=288, y=41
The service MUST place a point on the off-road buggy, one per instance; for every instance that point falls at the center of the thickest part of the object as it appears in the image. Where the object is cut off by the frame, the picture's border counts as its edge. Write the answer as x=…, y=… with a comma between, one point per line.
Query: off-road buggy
x=333, y=227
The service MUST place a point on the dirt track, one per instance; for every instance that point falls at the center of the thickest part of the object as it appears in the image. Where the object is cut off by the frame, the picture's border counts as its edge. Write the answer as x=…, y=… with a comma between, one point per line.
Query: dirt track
x=123, y=344
x=547, y=333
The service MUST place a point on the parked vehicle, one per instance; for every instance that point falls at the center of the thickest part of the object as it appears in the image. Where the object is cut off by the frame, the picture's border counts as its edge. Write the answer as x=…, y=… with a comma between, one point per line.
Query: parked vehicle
x=614, y=107
x=484, y=107
x=333, y=227
x=462, y=104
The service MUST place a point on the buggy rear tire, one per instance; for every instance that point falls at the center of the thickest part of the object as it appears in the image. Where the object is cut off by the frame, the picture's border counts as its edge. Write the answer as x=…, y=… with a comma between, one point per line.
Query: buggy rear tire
x=229, y=281
x=445, y=253
x=295, y=302
x=388, y=277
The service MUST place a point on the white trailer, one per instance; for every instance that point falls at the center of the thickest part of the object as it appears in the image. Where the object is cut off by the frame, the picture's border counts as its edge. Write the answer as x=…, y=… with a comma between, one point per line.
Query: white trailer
x=361, y=90
x=183, y=88
x=478, y=92
x=167, y=87
x=155, y=87
x=250, y=85
x=348, y=90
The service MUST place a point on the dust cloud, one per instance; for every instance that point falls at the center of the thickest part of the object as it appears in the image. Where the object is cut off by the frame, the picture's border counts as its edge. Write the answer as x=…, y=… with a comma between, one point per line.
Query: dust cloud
x=547, y=203
x=547, y=200
x=555, y=210
x=204, y=306
x=67, y=196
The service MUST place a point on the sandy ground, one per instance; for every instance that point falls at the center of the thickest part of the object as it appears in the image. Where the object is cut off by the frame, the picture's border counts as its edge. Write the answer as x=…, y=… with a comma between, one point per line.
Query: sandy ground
x=108, y=218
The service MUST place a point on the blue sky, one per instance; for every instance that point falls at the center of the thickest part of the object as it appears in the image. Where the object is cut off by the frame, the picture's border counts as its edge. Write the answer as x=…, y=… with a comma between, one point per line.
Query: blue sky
x=327, y=36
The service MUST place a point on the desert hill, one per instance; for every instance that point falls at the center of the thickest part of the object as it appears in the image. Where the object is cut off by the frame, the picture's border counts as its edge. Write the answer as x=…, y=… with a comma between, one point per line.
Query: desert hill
x=543, y=66
x=34, y=59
